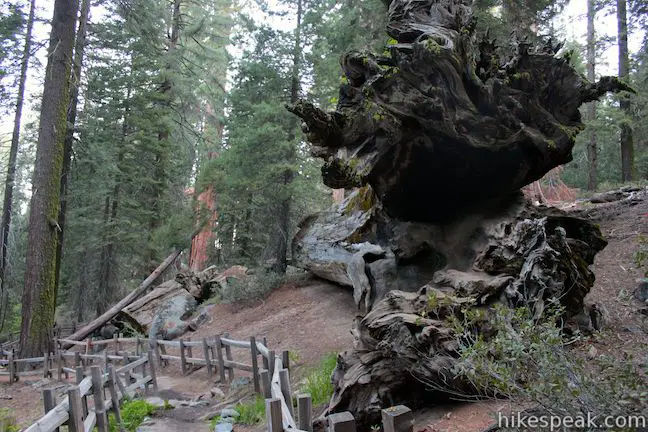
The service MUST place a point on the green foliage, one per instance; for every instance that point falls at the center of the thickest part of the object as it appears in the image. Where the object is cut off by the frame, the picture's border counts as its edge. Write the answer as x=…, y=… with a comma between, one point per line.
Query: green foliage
x=8, y=421
x=526, y=360
x=252, y=412
x=318, y=382
x=133, y=413
x=254, y=287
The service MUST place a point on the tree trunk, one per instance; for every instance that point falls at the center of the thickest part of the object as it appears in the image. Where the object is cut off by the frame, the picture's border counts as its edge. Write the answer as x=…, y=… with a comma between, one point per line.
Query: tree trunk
x=11, y=167
x=592, y=156
x=75, y=83
x=39, y=294
x=627, y=145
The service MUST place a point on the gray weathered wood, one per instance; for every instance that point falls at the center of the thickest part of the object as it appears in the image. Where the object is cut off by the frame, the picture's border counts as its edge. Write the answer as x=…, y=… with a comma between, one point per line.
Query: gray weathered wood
x=49, y=402
x=219, y=356
x=149, y=354
x=12, y=368
x=114, y=396
x=266, y=354
x=208, y=365
x=285, y=358
x=59, y=366
x=234, y=343
x=77, y=359
x=398, y=419
x=188, y=344
x=284, y=379
x=183, y=359
x=84, y=400
x=341, y=422
x=305, y=412
x=265, y=381
x=75, y=424
x=273, y=415
x=46, y=368
x=255, y=364
x=271, y=362
x=98, y=397
x=228, y=356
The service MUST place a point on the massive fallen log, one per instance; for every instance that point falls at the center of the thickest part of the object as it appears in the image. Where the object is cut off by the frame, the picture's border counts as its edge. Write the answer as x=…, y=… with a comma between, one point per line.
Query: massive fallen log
x=440, y=135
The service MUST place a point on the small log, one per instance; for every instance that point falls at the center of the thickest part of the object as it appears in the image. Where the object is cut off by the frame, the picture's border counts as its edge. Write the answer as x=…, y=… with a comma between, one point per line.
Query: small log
x=273, y=415
x=267, y=386
x=285, y=358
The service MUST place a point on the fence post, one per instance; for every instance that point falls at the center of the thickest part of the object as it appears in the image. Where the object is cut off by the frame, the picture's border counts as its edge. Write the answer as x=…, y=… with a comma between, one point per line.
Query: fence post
x=77, y=359
x=266, y=365
x=273, y=415
x=152, y=371
x=106, y=359
x=271, y=363
x=305, y=412
x=189, y=350
x=98, y=395
x=12, y=367
x=116, y=343
x=79, y=378
x=45, y=364
x=265, y=380
x=221, y=362
x=398, y=419
x=137, y=346
x=228, y=355
x=162, y=349
x=255, y=364
x=208, y=365
x=75, y=424
x=49, y=402
x=341, y=422
x=285, y=359
x=114, y=397
x=183, y=360
x=88, y=346
x=284, y=380
x=59, y=365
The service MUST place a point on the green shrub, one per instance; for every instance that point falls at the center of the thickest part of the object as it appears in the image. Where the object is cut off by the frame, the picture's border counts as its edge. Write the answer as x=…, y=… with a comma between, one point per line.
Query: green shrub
x=133, y=413
x=526, y=360
x=7, y=421
x=318, y=381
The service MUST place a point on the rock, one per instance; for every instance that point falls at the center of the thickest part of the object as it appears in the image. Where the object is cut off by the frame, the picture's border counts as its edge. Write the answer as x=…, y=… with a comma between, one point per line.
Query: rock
x=611, y=196
x=215, y=392
x=641, y=292
x=158, y=402
x=631, y=329
x=223, y=427
x=239, y=382
x=592, y=352
x=229, y=412
x=178, y=403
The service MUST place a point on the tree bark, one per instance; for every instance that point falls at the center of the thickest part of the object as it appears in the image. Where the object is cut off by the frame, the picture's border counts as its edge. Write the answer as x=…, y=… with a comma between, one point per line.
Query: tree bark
x=592, y=153
x=39, y=294
x=627, y=145
x=75, y=84
x=11, y=165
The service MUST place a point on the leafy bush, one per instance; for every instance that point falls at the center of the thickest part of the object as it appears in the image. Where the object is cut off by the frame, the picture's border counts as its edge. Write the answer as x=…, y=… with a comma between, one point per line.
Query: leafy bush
x=7, y=421
x=526, y=360
x=318, y=382
x=133, y=413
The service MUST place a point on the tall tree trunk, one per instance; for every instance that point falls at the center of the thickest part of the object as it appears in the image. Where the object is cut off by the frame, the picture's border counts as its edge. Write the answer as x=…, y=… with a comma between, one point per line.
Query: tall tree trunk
x=39, y=294
x=592, y=154
x=627, y=145
x=75, y=83
x=282, y=236
x=11, y=168
x=162, y=151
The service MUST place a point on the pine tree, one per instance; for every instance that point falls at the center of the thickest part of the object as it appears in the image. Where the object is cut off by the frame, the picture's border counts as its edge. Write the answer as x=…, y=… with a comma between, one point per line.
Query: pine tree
x=592, y=156
x=627, y=145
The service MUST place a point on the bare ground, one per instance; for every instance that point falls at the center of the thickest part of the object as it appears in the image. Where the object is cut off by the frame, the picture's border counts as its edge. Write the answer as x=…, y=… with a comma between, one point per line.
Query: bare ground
x=313, y=318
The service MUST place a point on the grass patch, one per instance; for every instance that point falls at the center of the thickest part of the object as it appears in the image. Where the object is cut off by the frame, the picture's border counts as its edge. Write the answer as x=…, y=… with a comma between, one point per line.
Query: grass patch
x=7, y=421
x=252, y=412
x=318, y=382
x=133, y=413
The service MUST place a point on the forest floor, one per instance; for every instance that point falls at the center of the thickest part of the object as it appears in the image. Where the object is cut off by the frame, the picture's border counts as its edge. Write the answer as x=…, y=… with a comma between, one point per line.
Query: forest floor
x=313, y=318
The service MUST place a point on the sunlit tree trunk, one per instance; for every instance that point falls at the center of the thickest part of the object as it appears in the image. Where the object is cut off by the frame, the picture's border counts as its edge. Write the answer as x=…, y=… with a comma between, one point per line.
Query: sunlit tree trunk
x=592, y=153
x=627, y=145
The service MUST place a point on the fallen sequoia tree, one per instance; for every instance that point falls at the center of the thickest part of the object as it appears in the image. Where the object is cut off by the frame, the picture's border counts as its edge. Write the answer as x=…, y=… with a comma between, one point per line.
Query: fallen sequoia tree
x=439, y=137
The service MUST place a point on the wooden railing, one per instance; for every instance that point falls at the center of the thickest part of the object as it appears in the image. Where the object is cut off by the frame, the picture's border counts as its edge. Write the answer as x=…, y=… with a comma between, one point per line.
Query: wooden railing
x=282, y=416
x=73, y=410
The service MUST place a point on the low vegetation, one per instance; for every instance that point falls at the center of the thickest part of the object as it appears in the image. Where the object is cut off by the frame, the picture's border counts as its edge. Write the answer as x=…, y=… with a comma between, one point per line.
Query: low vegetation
x=133, y=413
x=318, y=382
x=529, y=360
x=7, y=421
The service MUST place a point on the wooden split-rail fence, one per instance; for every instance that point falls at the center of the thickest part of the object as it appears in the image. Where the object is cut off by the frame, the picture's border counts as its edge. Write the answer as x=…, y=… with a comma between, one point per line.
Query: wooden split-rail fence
x=283, y=416
x=86, y=404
